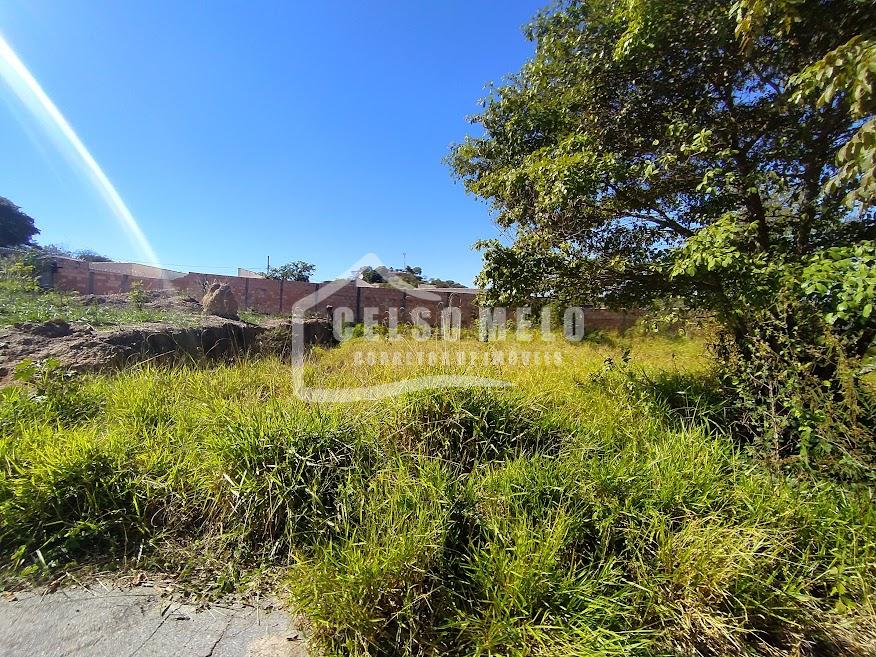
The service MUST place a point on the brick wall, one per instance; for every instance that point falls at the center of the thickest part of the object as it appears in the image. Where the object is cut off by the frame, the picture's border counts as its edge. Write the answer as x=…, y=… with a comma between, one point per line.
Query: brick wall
x=610, y=320
x=71, y=275
x=279, y=297
x=77, y=276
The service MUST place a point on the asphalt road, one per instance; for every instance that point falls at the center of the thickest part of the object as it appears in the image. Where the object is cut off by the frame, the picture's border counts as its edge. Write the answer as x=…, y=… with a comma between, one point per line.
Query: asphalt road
x=118, y=622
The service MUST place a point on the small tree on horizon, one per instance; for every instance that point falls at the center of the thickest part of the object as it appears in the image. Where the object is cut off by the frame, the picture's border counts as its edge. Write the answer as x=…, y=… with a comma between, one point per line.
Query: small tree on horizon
x=408, y=277
x=299, y=270
x=91, y=256
x=440, y=282
x=83, y=254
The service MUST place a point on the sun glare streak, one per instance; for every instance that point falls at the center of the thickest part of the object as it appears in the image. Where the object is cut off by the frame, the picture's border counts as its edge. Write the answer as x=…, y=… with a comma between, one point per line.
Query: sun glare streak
x=29, y=91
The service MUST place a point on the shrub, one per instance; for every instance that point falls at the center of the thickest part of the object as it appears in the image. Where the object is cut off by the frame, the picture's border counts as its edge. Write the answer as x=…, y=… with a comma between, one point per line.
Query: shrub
x=19, y=275
x=137, y=296
x=471, y=426
x=283, y=478
x=797, y=393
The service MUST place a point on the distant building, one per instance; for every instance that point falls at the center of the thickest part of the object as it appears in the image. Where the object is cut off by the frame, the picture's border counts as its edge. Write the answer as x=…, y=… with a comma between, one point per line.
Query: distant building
x=135, y=269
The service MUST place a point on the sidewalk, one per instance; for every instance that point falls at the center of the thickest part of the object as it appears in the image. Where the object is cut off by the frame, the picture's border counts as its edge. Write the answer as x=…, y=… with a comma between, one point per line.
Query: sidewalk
x=138, y=622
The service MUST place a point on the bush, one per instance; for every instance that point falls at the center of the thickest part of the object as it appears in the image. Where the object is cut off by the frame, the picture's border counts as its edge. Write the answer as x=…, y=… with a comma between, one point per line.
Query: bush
x=797, y=394
x=137, y=296
x=471, y=426
x=284, y=477
x=787, y=389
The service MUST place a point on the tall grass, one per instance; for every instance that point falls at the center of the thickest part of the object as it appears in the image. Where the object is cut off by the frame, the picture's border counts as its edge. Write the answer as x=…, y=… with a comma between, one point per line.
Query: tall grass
x=572, y=514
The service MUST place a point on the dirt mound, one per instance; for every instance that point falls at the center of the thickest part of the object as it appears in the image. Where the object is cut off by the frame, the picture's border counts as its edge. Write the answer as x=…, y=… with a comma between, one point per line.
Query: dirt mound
x=281, y=336
x=155, y=300
x=80, y=348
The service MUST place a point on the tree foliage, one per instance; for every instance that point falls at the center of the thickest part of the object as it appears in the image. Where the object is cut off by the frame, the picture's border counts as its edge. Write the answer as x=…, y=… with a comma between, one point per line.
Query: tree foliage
x=405, y=277
x=849, y=70
x=717, y=152
x=92, y=256
x=292, y=271
x=83, y=254
x=442, y=282
x=16, y=228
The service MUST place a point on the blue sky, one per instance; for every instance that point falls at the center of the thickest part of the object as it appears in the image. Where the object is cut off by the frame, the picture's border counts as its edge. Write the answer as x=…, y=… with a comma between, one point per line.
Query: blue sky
x=234, y=130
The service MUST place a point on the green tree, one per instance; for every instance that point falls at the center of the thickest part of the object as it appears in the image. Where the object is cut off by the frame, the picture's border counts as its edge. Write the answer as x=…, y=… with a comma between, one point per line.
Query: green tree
x=57, y=250
x=407, y=277
x=291, y=271
x=440, y=282
x=372, y=275
x=83, y=254
x=413, y=276
x=92, y=256
x=16, y=228
x=655, y=149
x=848, y=71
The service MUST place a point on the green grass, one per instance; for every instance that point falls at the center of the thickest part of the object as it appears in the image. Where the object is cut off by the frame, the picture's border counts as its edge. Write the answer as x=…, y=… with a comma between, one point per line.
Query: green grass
x=253, y=317
x=580, y=512
x=21, y=301
x=20, y=304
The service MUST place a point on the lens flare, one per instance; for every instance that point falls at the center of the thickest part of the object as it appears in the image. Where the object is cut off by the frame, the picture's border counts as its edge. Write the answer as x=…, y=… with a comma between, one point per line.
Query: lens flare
x=31, y=94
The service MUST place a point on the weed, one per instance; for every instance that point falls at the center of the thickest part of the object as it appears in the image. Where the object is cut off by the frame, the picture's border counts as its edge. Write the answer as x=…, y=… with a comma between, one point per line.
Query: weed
x=137, y=296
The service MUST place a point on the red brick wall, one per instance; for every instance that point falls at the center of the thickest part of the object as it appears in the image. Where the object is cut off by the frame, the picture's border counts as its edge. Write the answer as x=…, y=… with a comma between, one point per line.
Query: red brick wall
x=77, y=276
x=270, y=296
x=610, y=320
x=345, y=297
x=279, y=297
x=71, y=275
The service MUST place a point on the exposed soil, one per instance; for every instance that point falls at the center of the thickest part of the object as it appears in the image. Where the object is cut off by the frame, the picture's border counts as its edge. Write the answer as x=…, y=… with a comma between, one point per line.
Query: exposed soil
x=81, y=348
x=155, y=300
